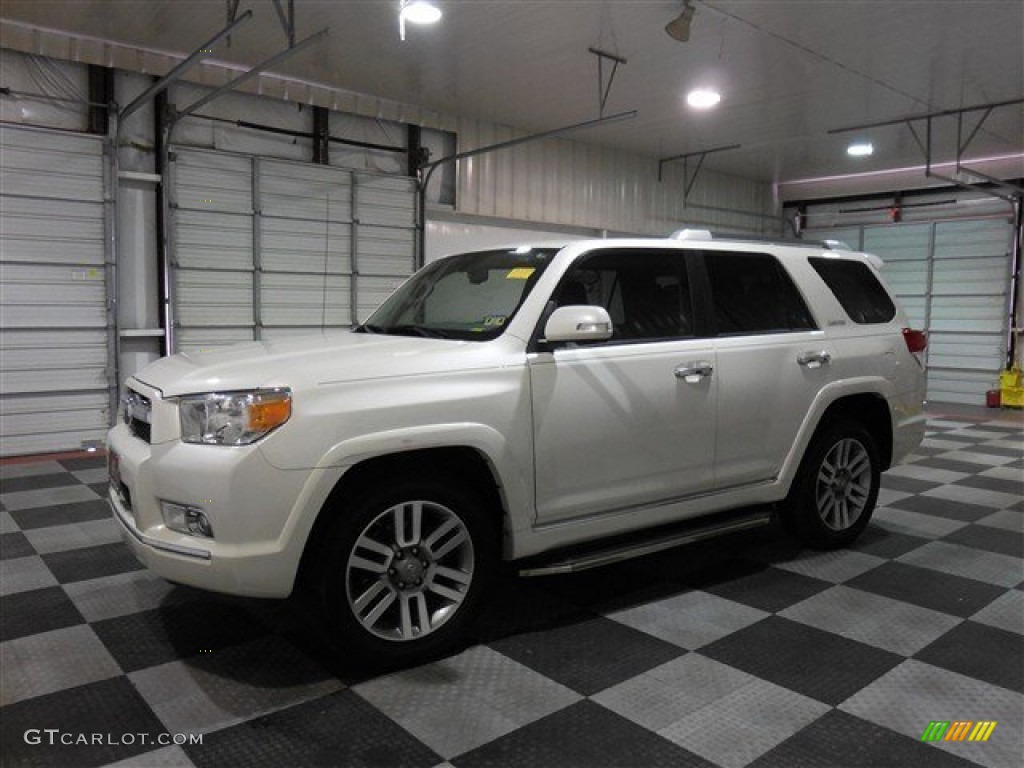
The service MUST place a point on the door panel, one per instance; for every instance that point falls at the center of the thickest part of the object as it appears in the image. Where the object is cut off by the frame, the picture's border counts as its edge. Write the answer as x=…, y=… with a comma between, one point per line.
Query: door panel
x=615, y=427
x=763, y=395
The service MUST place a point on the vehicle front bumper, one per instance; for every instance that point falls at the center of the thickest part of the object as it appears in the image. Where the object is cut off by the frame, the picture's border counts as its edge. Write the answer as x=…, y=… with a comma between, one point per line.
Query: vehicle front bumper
x=253, y=508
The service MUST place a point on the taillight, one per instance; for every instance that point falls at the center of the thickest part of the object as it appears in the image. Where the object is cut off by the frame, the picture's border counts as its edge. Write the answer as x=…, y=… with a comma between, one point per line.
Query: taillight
x=917, y=341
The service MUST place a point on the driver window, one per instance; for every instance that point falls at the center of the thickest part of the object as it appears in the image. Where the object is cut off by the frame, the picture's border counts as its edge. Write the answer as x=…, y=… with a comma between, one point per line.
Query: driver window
x=646, y=293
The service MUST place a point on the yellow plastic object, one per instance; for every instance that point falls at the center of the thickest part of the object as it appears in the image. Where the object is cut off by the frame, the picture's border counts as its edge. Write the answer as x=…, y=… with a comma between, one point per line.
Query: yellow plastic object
x=1012, y=397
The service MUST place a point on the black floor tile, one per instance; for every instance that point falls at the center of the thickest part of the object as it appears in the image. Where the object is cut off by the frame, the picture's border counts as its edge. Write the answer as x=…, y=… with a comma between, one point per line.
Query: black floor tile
x=113, y=709
x=996, y=540
x=1000, y=428
x=61, y=514
x=980, y=651
x=36, y=482
x=938, y=462
x=337, y=730
x=584, y=735
x=952, y=510
x=997, y=450
x=91, y=562
x=39, y=610
x=517, y=605
x=881, y=542
x=141, y=640
x=100, y=489
x=757, y=585
x=590, y=655
x=14, y=545
x=955, y=595
x=1015, y=487
x=818, y=664
x=839, y=740
x=907, y=484
x=88, y=462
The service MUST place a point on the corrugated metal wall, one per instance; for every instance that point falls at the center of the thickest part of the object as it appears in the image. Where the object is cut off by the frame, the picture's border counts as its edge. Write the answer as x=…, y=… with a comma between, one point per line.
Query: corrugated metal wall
x=265, y=248
x=953, y=279
x=568, y=182
x=54, y=334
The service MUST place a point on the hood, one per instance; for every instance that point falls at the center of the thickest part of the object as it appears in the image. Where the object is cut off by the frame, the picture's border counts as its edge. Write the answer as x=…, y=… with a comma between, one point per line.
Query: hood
x=309, y=361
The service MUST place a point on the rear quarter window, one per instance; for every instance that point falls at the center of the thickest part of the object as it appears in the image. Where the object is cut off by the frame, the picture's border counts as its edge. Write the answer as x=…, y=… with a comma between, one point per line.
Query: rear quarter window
x=857, y=288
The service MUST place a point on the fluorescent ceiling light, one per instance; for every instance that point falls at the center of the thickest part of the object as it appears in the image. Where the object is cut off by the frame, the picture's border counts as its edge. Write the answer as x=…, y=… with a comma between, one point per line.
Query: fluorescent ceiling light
x=416, y=12
x=861, y=149
x=703, y=98
x=420, y=12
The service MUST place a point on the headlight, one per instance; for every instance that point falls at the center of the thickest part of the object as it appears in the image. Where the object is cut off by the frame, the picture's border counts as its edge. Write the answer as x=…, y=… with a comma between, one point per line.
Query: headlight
x=233, y=418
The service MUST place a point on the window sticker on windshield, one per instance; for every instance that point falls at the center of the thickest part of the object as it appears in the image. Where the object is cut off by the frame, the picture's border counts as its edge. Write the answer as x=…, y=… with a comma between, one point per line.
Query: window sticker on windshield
x=520, y=273
x=495, y=320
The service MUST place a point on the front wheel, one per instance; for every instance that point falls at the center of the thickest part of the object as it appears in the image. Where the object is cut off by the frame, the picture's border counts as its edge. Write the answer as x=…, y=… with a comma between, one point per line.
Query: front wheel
x=403, y=569
x=835, y=491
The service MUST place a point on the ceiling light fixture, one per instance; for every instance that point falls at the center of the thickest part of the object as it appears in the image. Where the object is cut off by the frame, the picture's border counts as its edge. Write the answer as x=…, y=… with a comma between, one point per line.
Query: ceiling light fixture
x=703, y=98
x=679, y=27
x=860, y=149
x=416, y=12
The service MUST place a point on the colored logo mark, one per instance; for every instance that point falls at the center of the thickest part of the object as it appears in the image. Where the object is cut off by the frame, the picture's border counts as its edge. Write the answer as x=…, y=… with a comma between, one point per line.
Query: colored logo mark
x=958, y=730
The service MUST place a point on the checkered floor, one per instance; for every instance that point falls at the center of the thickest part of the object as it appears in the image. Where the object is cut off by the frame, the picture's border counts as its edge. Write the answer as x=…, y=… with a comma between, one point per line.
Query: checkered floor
x=742, y=651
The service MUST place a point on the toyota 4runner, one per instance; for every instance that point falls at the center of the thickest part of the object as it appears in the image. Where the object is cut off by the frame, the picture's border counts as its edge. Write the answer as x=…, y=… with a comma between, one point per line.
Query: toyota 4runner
x=560, y=407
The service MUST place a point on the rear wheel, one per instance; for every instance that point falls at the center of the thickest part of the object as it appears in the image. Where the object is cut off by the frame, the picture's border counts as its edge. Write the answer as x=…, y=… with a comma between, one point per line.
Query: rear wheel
x=835, y=491
x=403, y=569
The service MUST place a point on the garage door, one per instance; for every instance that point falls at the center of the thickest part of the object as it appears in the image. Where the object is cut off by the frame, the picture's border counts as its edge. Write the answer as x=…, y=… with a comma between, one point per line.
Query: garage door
x=953, y=279
x=54, y=333
x=265, y=248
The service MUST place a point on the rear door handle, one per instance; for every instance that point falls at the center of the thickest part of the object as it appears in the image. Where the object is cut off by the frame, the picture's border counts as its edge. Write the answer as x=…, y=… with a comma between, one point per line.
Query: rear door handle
x=694, y=372
x=814, y=359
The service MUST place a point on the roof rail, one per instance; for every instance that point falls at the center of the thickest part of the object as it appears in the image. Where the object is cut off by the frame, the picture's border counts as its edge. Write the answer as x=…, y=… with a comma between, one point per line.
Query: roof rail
x=692, y=234
x=706, y=234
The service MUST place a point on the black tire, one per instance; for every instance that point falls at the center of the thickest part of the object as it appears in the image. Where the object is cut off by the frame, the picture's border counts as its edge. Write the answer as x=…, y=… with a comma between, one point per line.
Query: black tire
x=419, y=600
x=836, y=487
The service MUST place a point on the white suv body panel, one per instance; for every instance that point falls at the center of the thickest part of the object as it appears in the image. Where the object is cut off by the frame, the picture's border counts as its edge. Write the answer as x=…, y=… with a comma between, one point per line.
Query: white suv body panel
x=659, y=450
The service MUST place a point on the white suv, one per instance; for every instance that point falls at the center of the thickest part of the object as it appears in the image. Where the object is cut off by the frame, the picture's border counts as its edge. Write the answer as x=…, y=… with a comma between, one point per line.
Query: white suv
x=562, y=407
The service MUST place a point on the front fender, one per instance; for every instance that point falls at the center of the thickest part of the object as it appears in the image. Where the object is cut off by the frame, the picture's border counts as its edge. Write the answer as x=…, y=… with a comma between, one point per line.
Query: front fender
x=514, y=481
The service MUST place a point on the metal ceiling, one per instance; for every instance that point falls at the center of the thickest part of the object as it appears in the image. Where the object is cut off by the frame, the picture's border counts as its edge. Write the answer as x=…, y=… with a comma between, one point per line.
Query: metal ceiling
x=789, y=71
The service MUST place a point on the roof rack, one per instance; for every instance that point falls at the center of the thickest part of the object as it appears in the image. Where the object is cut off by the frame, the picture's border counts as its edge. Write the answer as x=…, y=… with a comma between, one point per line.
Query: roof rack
x=707, y=234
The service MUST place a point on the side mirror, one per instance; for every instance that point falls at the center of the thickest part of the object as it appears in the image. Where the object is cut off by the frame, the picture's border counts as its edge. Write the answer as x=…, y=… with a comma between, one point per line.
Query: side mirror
x=578, y=323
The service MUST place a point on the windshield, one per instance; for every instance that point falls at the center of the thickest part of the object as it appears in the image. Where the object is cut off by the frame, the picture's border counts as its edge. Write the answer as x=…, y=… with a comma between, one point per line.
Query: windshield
x=469, y=296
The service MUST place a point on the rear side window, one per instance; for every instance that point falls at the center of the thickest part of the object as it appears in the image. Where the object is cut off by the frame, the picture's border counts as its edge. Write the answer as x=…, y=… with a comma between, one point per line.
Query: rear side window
x=752, y=293
x=857, y=289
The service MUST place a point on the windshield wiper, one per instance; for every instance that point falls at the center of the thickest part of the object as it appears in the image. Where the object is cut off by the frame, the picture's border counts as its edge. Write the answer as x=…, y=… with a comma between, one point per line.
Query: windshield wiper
x=416, y=330
x=368, y=328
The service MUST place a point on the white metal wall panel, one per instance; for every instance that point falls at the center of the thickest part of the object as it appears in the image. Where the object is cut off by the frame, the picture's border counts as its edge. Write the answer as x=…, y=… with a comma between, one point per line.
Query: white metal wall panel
x=212, y=248
x=567, y=182
x=905, y=250
x=969, y=309
x=265, y=247
x=54, y=335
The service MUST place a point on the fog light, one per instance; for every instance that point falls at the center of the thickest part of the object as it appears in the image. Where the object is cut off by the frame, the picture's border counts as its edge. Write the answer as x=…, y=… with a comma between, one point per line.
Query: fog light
x=185, y=519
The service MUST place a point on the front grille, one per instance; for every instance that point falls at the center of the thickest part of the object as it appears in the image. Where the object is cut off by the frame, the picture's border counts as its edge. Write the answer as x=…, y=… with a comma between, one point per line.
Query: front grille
x=137, y=412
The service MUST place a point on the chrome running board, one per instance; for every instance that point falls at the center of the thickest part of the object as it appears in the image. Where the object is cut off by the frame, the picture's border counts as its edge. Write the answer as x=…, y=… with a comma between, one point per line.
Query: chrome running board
x=595, y=558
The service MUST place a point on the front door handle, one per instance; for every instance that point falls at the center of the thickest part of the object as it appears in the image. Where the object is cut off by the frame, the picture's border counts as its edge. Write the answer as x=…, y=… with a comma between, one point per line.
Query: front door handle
x=814, y=359
x=693, y=373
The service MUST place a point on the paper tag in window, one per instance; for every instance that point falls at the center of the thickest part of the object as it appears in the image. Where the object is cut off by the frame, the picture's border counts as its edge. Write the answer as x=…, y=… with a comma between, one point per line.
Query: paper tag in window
x=520, y=273
x=495, y=320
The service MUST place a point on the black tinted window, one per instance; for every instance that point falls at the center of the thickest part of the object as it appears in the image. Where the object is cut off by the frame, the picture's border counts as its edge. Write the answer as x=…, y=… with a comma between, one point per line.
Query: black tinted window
x=752, y=293
x=646, y=293
x=857, y=289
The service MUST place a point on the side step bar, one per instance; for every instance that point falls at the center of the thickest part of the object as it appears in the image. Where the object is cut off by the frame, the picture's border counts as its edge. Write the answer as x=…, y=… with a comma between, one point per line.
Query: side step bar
x=595, y=558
